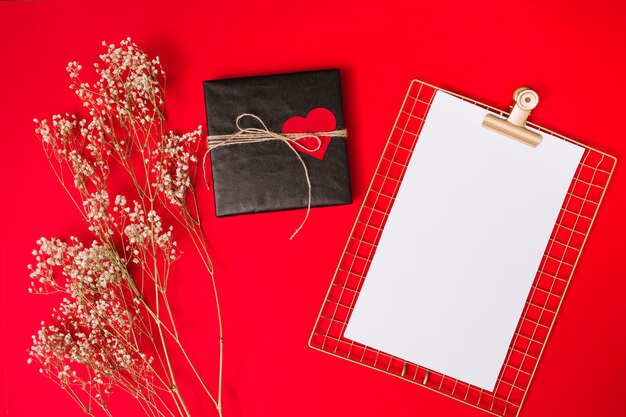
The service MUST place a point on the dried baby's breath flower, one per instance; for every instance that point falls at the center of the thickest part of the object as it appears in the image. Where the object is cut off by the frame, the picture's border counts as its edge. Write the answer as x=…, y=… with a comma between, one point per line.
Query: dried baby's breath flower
x=111, y=329
x=174, y=162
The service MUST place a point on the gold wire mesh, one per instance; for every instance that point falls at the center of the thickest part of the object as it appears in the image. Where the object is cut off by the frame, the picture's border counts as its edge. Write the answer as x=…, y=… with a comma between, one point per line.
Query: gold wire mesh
x=544, y=300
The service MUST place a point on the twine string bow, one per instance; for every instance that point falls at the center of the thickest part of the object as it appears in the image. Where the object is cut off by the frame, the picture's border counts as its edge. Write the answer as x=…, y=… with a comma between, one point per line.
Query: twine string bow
x=261, y=133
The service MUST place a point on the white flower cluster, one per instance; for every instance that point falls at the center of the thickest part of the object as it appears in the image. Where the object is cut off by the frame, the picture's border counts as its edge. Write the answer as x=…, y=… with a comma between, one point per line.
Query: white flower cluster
x=95, y=325
x=62, y=131
x=129, y=88
x=101, y=221
x=174, y=162
x=51, y=254
x=143, y=230
x=128, y=92
x=85, y=272
x=82, y=169
x=67, y=139
x=93, y=270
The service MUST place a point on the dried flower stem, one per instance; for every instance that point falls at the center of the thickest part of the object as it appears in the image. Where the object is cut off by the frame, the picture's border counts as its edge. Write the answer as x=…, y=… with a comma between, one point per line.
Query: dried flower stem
x=99, y=334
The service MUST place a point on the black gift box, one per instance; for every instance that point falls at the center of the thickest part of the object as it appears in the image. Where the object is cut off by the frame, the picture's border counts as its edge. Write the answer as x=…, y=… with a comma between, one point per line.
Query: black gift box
x=268, y=176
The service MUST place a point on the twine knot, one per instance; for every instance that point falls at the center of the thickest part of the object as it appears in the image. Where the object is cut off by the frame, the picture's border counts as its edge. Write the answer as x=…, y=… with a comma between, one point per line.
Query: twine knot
x=261, y=133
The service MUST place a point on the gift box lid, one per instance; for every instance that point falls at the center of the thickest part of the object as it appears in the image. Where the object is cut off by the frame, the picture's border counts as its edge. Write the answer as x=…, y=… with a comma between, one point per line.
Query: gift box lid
x=268, y=176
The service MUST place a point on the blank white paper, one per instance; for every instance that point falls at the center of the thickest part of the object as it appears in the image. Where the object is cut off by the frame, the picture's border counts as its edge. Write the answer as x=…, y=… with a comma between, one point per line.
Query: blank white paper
x=462, y=244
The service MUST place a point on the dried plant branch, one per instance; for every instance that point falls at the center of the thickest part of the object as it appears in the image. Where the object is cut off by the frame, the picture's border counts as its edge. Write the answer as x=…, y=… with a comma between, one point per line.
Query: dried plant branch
x=112, y=328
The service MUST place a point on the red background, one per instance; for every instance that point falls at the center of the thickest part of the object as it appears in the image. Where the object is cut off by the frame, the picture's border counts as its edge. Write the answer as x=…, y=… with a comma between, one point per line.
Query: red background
x=272, y=288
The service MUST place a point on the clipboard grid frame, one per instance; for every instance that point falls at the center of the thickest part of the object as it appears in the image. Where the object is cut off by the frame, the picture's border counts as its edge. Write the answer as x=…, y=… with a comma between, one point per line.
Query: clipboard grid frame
x=558, y=263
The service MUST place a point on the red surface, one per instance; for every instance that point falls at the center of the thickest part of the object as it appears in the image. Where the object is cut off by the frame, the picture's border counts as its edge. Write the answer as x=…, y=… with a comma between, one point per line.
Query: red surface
x=272, y=288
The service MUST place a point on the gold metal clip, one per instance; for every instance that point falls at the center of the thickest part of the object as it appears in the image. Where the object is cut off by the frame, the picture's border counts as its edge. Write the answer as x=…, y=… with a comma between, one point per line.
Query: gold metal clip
x=514, y=126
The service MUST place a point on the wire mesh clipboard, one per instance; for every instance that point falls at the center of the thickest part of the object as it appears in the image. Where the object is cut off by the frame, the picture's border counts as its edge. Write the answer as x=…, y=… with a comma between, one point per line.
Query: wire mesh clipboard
x=544, y=300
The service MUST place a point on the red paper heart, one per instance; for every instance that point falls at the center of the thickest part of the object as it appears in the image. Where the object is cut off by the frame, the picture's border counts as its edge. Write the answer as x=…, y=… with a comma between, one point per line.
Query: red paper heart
x=318, y=120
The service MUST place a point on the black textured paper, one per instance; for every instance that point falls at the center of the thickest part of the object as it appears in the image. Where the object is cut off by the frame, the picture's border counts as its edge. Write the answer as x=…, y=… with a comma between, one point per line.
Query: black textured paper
x=252, y=178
